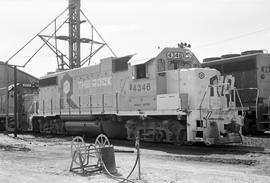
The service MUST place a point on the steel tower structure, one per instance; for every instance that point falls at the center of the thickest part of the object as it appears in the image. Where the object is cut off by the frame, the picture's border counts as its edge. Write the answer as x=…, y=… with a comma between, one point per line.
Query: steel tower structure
x=73, y=59
x=74, y=39
x=74, y=34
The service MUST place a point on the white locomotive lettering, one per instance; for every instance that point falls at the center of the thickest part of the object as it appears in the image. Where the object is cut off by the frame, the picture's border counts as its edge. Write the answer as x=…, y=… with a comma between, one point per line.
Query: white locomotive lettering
x=94, y=83
x=175, y=55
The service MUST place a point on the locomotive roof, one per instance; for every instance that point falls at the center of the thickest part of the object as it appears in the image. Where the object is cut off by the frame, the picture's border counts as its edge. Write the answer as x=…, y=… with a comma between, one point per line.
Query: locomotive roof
x=140, y=61
x=233, y=59
x=133, y=61
x=71, y=70
x=81, y=68
x=163, y=54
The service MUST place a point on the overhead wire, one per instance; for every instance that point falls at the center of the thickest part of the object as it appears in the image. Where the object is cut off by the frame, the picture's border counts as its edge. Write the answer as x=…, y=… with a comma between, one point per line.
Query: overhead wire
x=232, y=38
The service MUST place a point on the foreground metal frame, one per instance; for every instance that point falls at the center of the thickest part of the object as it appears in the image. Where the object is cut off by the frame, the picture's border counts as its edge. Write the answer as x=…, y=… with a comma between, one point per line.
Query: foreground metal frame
x=82, y=154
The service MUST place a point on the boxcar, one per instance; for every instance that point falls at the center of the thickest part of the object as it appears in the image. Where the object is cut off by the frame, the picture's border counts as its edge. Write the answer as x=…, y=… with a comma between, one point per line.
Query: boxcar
x=251, y=70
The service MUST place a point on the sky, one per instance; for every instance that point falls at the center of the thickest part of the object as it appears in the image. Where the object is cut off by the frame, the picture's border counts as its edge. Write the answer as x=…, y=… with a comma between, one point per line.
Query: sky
x=212, y=27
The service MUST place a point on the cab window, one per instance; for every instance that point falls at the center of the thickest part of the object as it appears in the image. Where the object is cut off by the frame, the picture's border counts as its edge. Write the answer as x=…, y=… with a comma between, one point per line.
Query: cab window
x=173, y=65
x=161, y=65
x=140, y=71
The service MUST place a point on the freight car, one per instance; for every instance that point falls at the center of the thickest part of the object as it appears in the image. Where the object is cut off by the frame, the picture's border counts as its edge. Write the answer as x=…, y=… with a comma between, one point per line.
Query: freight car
x=251, y=70
x=27, y=86
x=27, y=96
x=167, y=99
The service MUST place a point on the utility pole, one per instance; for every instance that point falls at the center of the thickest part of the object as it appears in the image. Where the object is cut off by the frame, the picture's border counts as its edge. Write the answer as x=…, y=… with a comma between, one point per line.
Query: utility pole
x=74, y=34
x=15, y=102
x=7, y=97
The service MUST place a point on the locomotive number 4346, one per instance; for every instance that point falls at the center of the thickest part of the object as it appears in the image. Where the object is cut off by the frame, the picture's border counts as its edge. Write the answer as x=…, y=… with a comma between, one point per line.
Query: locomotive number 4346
x=140, y=87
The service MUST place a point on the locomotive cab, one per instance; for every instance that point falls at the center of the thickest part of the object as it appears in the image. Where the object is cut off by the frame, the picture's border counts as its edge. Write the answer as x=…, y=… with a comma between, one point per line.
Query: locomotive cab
x=149, y=79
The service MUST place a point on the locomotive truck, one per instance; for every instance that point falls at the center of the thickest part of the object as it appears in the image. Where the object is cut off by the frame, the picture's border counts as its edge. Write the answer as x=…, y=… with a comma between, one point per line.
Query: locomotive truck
x=251, y=70
x=168, y=98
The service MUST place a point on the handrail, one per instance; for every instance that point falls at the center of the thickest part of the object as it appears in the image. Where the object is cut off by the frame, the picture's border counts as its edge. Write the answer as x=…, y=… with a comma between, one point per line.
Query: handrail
x=257, y=98
x=218, y=85
x=203, y=100
x=242, y=107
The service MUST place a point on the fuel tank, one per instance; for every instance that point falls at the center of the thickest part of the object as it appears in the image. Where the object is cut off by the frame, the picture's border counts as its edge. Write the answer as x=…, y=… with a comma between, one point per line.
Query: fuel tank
x=87, y=128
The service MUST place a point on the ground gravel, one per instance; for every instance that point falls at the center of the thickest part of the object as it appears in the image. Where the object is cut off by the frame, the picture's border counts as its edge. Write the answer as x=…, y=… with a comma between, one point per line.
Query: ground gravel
x=256, y=141
x=48, y=160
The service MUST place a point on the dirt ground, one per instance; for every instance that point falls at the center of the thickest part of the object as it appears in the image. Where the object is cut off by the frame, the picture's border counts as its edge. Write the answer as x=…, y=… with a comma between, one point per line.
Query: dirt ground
x=29, y=159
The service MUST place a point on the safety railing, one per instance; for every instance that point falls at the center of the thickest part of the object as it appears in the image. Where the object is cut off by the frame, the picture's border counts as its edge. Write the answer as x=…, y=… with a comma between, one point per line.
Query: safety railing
x=234, y=89
x=86, y=104
x=256, y=98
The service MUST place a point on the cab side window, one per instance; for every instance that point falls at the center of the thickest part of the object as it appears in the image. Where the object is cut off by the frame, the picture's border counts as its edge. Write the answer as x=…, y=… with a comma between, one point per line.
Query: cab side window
x=173, y=65
x=140, y=71
x=161, y=65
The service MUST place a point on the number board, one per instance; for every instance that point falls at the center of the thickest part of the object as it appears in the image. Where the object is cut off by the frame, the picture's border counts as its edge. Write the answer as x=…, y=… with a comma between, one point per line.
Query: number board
x=140, y=87
x=176, y=55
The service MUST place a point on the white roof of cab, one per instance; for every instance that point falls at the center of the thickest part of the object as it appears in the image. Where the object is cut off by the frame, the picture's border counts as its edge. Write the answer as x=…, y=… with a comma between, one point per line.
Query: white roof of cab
x=136, y=61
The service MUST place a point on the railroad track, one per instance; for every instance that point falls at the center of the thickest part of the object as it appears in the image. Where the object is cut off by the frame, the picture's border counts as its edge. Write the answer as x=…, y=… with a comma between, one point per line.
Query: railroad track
x=195, y=149
x=224, y=154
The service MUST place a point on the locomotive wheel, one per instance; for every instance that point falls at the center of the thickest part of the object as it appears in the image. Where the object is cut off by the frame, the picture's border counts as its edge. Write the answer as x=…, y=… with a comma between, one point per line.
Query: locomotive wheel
x=102, y=141
x=79, y=148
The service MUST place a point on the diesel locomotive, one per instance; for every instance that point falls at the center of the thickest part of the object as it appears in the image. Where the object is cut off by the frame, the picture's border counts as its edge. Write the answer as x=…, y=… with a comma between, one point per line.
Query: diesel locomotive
x=168, y=98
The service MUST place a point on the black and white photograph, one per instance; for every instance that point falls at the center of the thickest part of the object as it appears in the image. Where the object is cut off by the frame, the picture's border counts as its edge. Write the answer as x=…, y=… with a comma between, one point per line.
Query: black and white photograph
x=134, y=91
